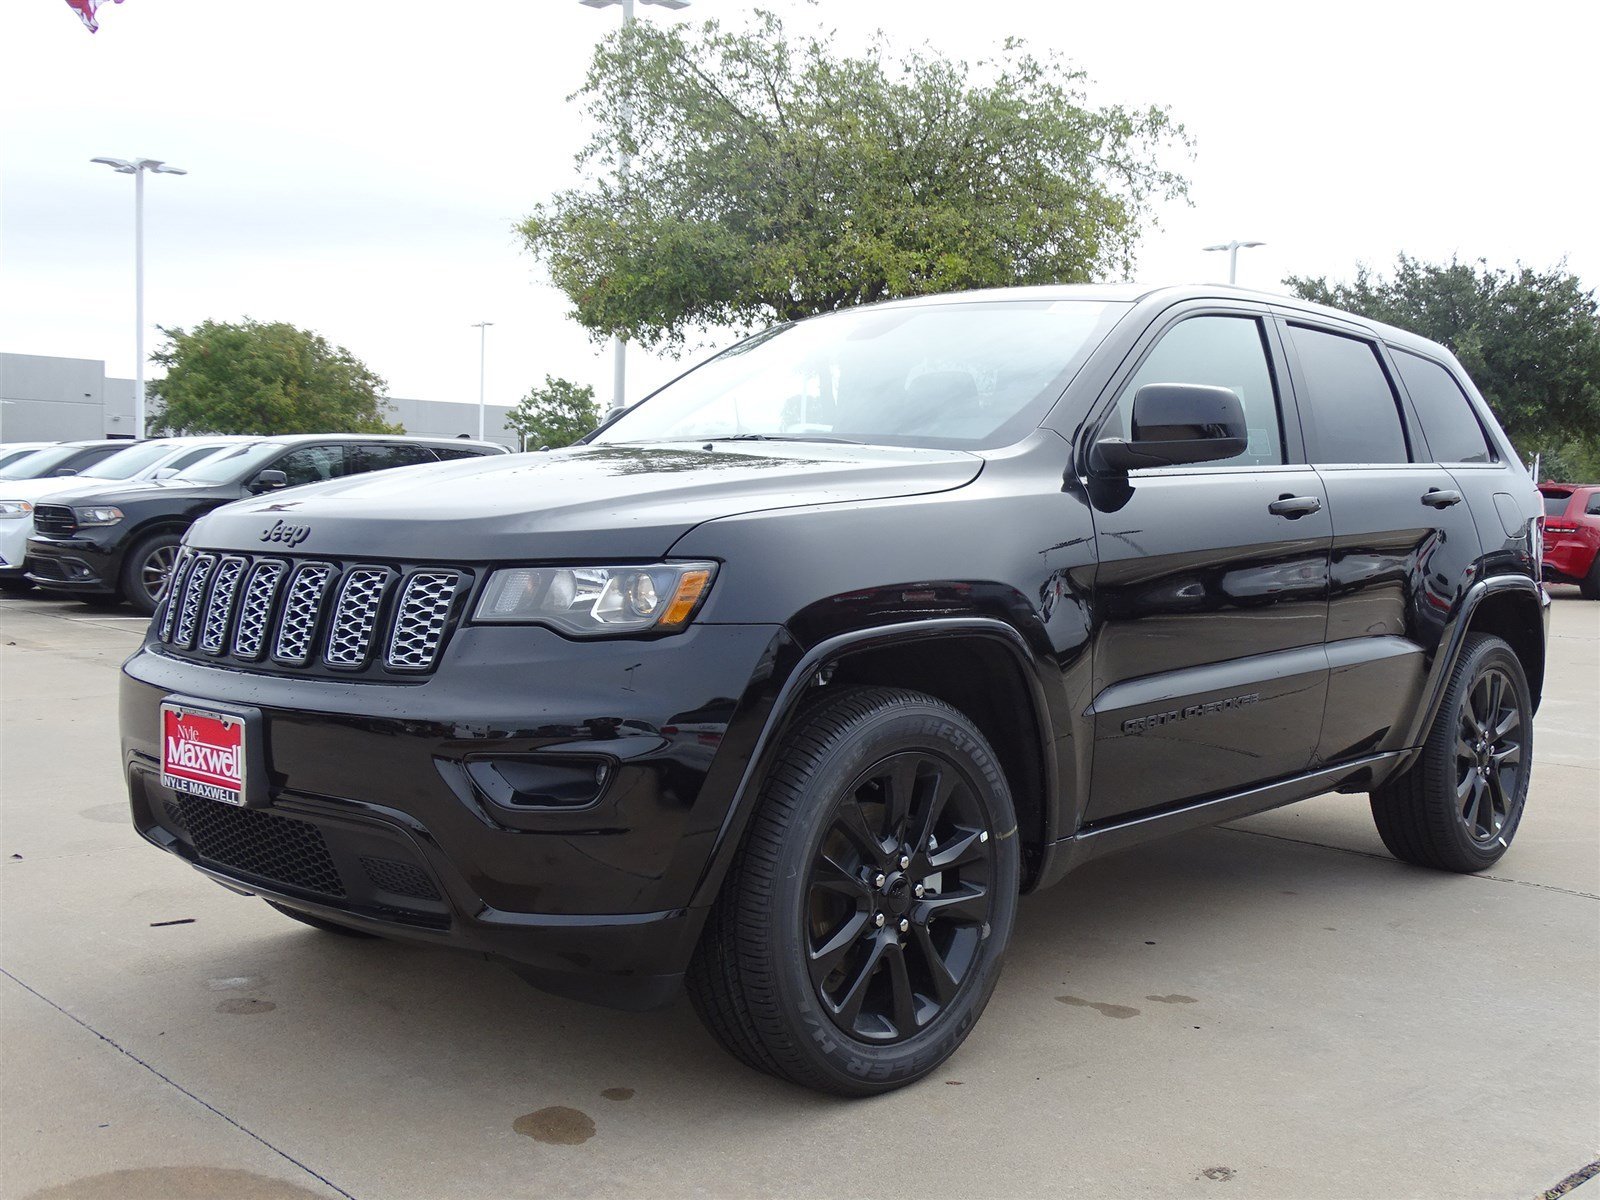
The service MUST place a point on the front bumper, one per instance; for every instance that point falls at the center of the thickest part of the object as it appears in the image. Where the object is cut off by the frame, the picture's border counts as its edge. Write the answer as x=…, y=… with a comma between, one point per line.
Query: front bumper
x=73, y=564
x=386, y=806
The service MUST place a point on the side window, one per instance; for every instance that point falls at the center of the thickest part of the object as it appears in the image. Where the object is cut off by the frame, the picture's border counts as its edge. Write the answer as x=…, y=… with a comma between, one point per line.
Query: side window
x=451, y=453
x=313, y=464
x=1448, y=422
x=191, y=457
x=380, y=456
x=1593, y=507
x=1350, y=411
x=1223, y=352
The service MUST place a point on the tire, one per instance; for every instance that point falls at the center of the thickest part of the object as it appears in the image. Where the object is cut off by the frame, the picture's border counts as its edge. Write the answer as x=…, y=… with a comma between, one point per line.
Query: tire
x=318, y=922
x=1444, y=812
x=144, y=567
x=794, y=974
x=1589, y=585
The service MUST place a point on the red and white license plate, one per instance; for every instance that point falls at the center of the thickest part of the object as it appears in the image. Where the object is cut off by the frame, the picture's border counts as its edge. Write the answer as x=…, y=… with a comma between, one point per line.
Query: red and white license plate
x=202, y=753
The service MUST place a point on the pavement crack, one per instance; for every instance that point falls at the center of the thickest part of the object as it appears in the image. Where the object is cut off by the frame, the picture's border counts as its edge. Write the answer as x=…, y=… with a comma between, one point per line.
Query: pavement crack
x=1570, y=1183
x=172, y=1083
x=1278, y=837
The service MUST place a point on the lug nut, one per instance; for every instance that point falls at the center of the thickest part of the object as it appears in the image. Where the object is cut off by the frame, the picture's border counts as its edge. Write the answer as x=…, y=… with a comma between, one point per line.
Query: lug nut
x=984, y=836
x=917, y=891
x=904, y=924
x=878, y=920
x=879, y=879
x=905, y=861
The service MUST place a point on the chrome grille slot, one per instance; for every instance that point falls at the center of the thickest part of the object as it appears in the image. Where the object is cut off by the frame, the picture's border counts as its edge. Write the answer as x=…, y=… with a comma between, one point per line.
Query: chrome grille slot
x=298, y=625
x=309, y=616
x=219, y=612
x=174, y=590
x=355, y=616
x=194, y=591
x=259, y=594
x=426, y=598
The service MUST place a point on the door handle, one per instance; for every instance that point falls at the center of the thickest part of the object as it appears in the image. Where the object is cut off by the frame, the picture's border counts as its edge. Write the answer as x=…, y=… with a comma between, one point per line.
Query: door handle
x=1438, y=498
x=1294, y=507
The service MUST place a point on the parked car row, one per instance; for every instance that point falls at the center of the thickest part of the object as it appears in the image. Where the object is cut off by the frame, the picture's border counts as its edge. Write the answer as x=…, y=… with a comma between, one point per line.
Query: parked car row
x=102, y=521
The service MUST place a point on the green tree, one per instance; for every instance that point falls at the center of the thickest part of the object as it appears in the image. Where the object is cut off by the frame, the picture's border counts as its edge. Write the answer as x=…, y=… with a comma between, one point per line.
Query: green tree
x=256, y=377
x=555, y=415
x=774, y=176
x=1529, y=339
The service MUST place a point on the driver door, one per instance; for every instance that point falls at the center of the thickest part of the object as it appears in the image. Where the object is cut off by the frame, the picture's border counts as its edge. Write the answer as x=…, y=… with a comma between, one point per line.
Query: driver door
x=1211, y=591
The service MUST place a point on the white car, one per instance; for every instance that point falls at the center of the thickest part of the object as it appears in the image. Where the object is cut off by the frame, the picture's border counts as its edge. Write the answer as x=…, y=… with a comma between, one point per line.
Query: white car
x=158, y=458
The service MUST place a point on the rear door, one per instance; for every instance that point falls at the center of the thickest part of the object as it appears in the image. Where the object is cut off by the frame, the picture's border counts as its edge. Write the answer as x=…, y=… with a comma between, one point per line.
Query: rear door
x=1211, y=588
x=1404, y=540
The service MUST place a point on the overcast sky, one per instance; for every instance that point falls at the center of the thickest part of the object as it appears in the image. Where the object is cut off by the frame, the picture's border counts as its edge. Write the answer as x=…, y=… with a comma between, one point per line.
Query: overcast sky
x=356, y=168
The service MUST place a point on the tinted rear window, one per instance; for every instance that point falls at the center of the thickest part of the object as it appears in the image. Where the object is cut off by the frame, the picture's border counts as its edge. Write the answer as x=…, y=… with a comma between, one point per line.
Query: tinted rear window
x=1350, y=412
x=1448, y=422
x=1555, y=503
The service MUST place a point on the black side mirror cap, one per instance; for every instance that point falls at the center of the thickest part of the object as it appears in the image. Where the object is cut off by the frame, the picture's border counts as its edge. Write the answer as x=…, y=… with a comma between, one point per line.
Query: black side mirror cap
x=1176, y=424
x=269, y=481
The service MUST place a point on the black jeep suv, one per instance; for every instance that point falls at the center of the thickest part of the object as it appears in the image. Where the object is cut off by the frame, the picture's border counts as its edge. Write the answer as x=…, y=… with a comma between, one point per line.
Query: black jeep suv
x=120, y=545
x=790, y=679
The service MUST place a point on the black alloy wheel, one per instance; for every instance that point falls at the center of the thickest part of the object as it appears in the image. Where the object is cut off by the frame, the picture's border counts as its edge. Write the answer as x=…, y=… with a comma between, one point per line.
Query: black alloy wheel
x=900, y=894
x=1488, y=754
x=1458, y=806
x=862, y=926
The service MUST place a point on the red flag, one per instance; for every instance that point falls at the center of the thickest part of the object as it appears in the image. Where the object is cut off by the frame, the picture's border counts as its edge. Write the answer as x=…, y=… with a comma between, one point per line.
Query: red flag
x=85, y=10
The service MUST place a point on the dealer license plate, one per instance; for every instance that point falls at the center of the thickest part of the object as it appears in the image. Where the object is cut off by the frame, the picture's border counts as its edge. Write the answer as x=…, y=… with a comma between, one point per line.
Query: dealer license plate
x=202, y=753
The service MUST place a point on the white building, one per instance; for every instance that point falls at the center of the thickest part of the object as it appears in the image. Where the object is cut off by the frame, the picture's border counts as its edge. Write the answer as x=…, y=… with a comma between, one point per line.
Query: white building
x=46, y=399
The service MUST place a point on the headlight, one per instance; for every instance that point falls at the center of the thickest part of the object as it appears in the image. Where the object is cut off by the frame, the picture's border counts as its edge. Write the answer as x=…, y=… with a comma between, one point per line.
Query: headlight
x=15, y=508
x=97, y=514
x=592, y=601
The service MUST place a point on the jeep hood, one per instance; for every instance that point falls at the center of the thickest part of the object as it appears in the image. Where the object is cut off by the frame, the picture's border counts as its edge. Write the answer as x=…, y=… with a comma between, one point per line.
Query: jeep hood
x=586, y=502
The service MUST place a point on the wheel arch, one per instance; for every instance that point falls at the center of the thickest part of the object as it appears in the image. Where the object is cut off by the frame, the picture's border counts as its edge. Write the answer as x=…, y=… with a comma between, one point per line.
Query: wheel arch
x=1511, y=607
x=984, y=669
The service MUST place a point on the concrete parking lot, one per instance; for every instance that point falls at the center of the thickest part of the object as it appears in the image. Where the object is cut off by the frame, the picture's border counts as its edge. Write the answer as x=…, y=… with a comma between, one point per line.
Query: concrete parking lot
x=1272, y=1009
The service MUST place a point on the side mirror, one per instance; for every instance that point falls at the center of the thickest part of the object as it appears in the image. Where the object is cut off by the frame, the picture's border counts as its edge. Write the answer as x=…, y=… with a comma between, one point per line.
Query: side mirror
x=1178, y=423
x=268, y=481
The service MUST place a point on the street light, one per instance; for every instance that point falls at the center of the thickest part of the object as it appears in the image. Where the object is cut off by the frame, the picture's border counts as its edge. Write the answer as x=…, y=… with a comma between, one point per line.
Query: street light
x=619, y=362
x=483, y=343
x=1233, y=249
x=137, y=167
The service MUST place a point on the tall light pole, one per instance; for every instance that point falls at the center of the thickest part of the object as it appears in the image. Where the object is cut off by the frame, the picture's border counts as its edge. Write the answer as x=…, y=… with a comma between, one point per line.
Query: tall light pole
x=1233, y=249
x=483, y=347
x=137, y=167
x=619, y=345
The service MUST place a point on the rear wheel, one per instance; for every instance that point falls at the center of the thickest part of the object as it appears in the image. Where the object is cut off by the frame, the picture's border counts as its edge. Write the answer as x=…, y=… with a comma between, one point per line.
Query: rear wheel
x=1458, y=806
x=1589, y=585
x=861, y=929
x=147, y=571
x=318, y=922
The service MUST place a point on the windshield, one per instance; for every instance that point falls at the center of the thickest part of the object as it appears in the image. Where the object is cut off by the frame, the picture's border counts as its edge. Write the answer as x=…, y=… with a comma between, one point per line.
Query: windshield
x=968, y=376
x=9, y=456
x=40, y=463
x=234, y=465
x=125, y=464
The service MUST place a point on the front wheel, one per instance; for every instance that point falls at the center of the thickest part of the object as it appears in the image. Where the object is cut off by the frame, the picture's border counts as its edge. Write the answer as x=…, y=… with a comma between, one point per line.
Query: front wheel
x=1458, y=806
x=861, y=929
x=147, y=571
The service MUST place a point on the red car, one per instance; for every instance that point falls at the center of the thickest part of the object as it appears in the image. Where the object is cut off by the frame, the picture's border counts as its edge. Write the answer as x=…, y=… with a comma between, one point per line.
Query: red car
x=1572, y=535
